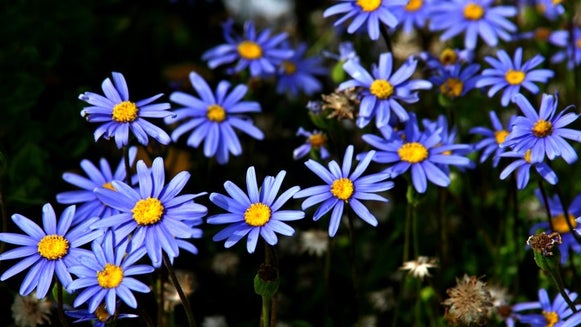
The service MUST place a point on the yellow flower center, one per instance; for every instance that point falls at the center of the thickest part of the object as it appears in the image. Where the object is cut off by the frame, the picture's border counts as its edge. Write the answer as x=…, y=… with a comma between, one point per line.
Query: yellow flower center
x=552, y=318
x=53, y=247
x=542, y=128
x=258, y=214
x=289, y=67
x=560, y=224
x=101, y=313
x=412, y=152
x=110, y=277
x=448, y=57
x=249, y=50
x=342, y=189
x=317, y=140
x=147, y=211
x=578, y=43
x=452, y=87
x=216, y=113
x=500, y=136
x=514, y=77
x=369, y=5
x=542, y=33
x=527, y=156
x=125, y=112
x=473, y=11
x=109, y=186
x=414, y=5
x=381, y=88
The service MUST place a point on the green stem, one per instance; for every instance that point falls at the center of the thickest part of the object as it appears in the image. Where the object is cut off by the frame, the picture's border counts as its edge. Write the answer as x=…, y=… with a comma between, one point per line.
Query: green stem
x=386, y=37
x=265, y=320
x=354, y=270
x=127, y=165
x=183, y=297
x=558, y=280
x=60, y=309
x=545, y=202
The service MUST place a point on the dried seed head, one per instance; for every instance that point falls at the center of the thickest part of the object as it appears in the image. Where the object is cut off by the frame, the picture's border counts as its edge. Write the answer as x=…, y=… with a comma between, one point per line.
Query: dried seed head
x=342, y=104
x=544, y=243
x=469, y=303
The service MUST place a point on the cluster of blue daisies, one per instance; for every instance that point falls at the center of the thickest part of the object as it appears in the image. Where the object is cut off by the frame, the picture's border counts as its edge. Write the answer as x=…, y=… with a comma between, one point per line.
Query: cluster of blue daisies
x=125, y=217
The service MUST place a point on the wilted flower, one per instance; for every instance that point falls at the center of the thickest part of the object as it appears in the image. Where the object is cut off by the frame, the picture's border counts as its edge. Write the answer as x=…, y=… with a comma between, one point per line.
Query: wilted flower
x=171, y=298
x=469, y=302
x=314, y=242
x=30, y=311
x=343, y=104
x=419, y=267
x=225, y=263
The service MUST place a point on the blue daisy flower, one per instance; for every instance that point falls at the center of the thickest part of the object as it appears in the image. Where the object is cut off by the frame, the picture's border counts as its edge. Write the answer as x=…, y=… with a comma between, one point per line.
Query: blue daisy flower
x=99, y=318
x=213, y=117
x=371, y=12
x=49, y=250
x=474, y=18
x=260, y=53
x=156, y=216
x=346, y=52
x=448, y=136
x=572, y=47
x=88, y=205
x=315, y=141
x=256, y=213
x=344, y=187
x=544, y=133
x=414, y=15
x=298, y=73
x=523, y=164
x=510, y=75
x=559, y=224
x=107, y=274
x=421, y=152
x=554, y=313
x=382, y=91
x=456, y=81
x=448, y=59
x=119, y=115
x=551, y=9
x=493, y=138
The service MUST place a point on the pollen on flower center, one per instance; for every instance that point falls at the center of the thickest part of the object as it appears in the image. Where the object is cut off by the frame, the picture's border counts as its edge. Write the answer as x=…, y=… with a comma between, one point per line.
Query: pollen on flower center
x=381, y=88
x=216, y=113
x=317, y=140
x=448, y=57
x=527, y=156
x=289, y=67
x=551, y=317
x=500, y=136
x=258, y=214
x=369, y=5
x=542, y=128
x=101, y=313
x=147, y=211
x=53, y=247
x=473, y=11
x=342, y=188
x=110, y=277
x=514, y=77
x=452, y=87
x=578, y=43
x=560, y=224
x=412, y=152
x=414, y=5
x=249, y=50
x=125, y=112
x=109, y=186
